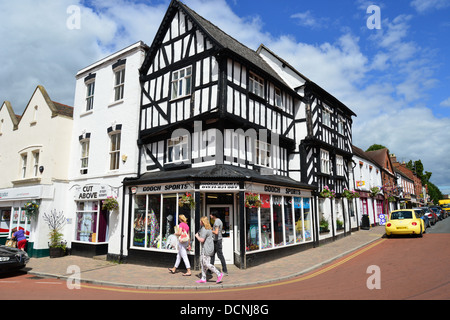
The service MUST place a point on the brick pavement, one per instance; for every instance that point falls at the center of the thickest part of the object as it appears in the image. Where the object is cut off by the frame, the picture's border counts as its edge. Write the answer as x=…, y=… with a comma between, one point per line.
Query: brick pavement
x=151, y=278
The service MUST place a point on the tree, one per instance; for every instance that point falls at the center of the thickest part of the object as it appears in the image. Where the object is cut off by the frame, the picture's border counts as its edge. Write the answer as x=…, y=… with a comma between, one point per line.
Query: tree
x=375, y=147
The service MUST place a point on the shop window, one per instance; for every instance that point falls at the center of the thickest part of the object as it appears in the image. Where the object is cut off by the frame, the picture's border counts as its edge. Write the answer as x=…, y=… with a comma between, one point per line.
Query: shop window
x=307, y=222
x=252, y=223
x=155, y=218
x=288, y=223
x=92, y=222
x=266, y=223
x=277, y=221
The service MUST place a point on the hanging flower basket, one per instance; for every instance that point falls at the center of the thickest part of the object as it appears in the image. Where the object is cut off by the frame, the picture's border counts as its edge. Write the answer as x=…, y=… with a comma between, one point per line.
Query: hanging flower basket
x=374, y=191
x=186, y=199
x=350, y=195
x=327, y=193
x=31, y=209
x=252, y=201
x=110, y=204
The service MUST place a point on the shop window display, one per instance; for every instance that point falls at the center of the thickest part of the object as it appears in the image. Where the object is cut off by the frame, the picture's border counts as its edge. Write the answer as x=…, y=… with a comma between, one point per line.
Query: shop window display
x=266, y=222
x=252, y=224
x=307, y=219
x=277, y=221
x=92, y=223
x=155, y=218
x=288, y=225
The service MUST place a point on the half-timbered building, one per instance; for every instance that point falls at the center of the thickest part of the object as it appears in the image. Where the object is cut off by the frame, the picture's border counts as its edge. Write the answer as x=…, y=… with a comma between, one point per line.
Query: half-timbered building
x=220, y=126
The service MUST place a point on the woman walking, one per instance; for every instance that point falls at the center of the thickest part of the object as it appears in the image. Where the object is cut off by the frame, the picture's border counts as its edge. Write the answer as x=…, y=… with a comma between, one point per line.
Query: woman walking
x=205, y=237
x=183, y=247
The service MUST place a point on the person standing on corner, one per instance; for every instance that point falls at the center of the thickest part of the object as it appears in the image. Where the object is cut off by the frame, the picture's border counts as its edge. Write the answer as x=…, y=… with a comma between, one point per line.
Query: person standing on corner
x=19, y=235
x=205, y=237
x=217, y=237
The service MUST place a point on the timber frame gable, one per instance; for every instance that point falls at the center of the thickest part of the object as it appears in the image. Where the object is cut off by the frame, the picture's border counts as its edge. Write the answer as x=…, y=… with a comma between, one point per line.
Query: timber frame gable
x=193, y=71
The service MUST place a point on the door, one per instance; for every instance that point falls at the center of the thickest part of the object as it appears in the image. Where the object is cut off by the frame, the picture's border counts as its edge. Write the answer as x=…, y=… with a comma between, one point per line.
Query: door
x=224, y=213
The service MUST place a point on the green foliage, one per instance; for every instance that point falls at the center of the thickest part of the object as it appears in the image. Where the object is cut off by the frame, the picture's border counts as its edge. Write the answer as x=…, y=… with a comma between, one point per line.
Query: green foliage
x=375, y=147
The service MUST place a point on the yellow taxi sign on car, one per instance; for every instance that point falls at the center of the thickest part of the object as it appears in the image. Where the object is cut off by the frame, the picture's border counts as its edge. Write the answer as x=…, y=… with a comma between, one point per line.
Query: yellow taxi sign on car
x=405, y=221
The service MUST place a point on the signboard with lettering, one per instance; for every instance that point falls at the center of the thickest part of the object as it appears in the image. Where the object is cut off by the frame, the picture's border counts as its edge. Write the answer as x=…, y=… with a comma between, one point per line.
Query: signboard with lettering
x=92, y=192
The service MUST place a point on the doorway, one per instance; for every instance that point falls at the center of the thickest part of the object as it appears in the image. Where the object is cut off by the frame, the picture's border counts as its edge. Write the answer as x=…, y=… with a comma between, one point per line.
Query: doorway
x=225, y=213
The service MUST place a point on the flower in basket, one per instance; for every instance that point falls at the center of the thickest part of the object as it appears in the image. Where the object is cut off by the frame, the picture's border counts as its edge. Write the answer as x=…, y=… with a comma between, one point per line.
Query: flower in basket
x=374, y=191
x=350, y=194
x=31, y=208
x=110, y=204
x=328, y=193
x=186, y=199
x=252, y=201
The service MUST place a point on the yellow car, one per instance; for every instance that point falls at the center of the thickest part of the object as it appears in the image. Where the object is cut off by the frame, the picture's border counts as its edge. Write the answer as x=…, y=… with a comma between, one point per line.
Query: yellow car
x=405, y=221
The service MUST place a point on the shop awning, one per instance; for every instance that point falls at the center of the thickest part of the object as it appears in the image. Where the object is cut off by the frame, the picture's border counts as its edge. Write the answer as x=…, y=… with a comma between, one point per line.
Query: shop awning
x=216, y=173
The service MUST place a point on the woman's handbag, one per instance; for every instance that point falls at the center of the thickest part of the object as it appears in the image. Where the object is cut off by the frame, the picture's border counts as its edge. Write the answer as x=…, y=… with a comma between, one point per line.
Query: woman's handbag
x=184, y=237
x=11, y=243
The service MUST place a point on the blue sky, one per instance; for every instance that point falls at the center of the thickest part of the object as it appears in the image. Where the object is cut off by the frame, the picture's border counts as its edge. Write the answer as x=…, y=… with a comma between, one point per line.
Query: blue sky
x=396, y=79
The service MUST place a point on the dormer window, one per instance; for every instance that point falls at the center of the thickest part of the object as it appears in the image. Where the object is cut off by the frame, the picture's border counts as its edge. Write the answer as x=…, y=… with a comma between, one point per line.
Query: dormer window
x=256, y=85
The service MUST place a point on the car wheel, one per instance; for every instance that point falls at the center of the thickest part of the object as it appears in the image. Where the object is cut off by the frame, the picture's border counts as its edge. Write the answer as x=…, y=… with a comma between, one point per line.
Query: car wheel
x=420, y=235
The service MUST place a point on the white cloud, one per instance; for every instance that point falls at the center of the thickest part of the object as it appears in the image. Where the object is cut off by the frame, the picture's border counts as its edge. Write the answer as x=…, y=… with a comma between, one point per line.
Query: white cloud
x=427, y=5
x=306, y=19
x=445, y=103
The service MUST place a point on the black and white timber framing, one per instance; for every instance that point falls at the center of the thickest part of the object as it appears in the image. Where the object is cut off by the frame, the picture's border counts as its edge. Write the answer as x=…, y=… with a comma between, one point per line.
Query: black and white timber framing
x=208, y=100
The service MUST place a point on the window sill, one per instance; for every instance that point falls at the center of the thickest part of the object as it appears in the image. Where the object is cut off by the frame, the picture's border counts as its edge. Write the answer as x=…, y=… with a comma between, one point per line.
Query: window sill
x=26, y=181
x=87, y=113
x=115, y=103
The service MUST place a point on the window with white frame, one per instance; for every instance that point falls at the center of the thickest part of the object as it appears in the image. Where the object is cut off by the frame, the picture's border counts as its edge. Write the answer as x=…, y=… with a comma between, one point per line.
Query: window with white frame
x=177, y=149
x=84, y=156
x=263, y=153
x=278, y=98
x=24, y=160
x=326, y=116
x=90, y=88
x=339, y=165
x=36, y=163
x=256, y=85
x=340, y=125
x=182, y=83
x=119, y=83
x=114, y=151
x=325, y=162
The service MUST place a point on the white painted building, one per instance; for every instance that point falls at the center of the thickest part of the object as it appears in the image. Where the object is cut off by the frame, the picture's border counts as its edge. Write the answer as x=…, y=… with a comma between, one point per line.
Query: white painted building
x=103, y=149
x=34, y=158
x=367, y=175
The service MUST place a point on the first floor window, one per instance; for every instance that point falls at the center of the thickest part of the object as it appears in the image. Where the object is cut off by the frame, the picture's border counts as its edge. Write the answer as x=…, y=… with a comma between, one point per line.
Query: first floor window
x=262, y=154
x=36, y=163
x=84, y=156
x=339, y=166
x=278, y=99
x=325, y=162
x=181, y=83
x=114, y=152
x=177, y=149
x=24, y=165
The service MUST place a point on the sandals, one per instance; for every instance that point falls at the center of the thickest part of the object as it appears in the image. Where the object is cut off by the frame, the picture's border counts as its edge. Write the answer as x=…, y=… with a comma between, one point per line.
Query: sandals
x=187, y=274
x=171, y=271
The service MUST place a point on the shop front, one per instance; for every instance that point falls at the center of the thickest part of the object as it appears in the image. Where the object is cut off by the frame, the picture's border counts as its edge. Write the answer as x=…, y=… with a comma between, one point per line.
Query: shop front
x=91, y=222
x=13, y=215
x=253, y=233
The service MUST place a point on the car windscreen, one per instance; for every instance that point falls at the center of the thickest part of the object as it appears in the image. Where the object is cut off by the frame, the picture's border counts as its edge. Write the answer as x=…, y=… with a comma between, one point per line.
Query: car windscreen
x=401, y=215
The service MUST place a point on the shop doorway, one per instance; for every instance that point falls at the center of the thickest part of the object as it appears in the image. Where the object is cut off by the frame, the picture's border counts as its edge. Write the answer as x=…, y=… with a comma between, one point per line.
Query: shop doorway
x=225, y=213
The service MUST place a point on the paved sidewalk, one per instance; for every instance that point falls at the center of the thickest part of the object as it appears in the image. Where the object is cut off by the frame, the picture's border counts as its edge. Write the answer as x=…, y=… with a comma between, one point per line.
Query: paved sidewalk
x=155, y=278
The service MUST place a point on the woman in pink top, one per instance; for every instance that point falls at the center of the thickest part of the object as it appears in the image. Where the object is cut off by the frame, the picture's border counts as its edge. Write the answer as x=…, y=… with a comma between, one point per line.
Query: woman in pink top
x=183, y=247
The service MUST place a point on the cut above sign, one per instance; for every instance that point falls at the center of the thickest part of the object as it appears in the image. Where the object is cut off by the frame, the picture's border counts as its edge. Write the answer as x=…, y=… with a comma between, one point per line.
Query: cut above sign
x=93, y=192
